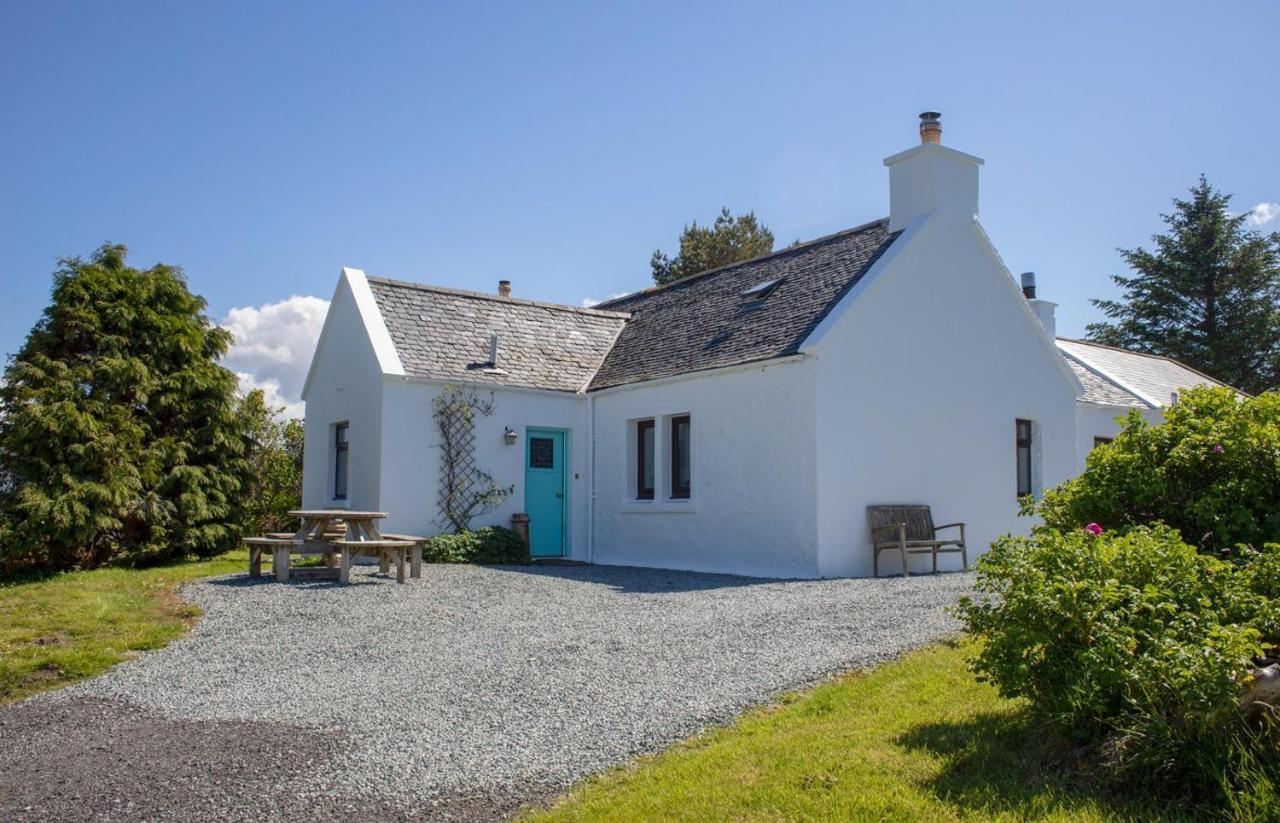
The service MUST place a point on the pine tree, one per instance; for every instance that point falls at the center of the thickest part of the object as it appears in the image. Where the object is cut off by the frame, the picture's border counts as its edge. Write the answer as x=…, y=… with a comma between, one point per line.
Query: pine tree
x=1208, y=295
x=119, y=438
x=730, y=240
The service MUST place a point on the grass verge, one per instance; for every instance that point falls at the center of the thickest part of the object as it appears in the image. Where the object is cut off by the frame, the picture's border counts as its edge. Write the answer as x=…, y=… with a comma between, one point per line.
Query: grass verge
x=57, y=630
x=916, y=739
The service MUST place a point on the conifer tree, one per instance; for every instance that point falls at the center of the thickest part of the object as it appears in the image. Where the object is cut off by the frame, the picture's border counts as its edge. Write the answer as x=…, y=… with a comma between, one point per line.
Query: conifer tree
x=119, y=438
x=1208, y=295
x=730, y=240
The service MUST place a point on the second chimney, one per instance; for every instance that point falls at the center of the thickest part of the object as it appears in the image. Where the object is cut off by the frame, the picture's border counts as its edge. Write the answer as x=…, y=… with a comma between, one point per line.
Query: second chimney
x=1044, y=310
x=504, y=288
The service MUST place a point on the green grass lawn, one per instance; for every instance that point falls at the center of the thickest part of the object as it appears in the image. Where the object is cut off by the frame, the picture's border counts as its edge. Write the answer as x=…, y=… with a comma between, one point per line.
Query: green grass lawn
x=57, y=630
x=917, y=739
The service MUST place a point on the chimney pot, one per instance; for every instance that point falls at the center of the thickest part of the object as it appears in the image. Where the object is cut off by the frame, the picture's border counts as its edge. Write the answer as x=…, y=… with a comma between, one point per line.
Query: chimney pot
x=930, y=127
x=504, y=288
x=1029, y=285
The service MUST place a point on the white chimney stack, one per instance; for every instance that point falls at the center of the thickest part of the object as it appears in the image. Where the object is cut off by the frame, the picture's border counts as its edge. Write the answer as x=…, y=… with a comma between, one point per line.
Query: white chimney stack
x=931, y=179
x=1044, y=310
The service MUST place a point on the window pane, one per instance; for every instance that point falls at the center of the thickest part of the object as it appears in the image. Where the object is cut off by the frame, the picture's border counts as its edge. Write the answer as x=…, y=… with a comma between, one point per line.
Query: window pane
x=644, y=459
x=340, y=475
x=542, y=451
x=1022, y=442
x=680, y=464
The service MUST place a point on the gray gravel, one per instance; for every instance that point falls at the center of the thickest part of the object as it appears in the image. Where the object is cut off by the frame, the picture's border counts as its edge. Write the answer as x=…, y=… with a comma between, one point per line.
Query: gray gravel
x=463, y=694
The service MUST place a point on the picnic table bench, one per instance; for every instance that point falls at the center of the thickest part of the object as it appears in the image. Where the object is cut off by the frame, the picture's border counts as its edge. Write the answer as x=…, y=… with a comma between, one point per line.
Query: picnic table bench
x=341, y=536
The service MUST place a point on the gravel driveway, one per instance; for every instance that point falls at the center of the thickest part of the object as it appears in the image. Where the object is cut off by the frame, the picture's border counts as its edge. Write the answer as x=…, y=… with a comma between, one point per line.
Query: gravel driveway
x=463, y=695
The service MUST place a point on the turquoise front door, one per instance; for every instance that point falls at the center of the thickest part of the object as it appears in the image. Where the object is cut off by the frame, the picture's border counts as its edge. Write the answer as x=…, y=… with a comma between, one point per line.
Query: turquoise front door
x=546, y=495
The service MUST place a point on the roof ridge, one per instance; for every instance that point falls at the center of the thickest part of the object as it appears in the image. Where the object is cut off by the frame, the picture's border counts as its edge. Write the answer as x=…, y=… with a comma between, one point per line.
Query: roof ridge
x=1175, y=361
x=1103, y=376
x=719, y=269
x=497, y=298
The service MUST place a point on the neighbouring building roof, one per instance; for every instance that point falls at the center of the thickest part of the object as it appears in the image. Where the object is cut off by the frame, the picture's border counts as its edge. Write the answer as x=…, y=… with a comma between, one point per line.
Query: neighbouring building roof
x=742, y=313
x=445, y=334
x=1117, y=377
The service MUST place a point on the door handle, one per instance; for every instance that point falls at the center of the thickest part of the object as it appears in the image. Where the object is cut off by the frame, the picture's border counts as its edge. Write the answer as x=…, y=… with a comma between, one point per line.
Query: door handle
x=560, y=494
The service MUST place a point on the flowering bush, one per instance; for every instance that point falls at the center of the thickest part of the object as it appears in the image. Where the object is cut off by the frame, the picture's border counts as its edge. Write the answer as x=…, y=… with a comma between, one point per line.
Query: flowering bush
x=1211, y=471
x=1133, y=640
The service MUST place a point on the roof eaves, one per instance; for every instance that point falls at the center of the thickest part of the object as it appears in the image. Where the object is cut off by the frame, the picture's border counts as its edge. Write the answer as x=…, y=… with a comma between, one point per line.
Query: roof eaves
x=495, y=298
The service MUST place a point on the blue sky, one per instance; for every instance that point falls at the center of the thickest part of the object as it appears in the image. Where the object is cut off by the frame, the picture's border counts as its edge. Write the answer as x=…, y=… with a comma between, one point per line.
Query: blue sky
x=264, y=146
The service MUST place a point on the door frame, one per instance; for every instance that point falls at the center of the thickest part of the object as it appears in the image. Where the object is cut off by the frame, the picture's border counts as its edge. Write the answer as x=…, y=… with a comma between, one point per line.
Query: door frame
x=566, y=476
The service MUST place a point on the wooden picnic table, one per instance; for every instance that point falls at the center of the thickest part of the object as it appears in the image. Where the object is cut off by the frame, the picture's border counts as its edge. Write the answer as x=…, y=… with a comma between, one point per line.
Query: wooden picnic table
x=317, y=534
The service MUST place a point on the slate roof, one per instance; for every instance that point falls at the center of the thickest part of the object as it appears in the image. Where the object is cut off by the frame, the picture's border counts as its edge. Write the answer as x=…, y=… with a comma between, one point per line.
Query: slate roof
x=705, y=321
x=1118, y=377
x=444, y=334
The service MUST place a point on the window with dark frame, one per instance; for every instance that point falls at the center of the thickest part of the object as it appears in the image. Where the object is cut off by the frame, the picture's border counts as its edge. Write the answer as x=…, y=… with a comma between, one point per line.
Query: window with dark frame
x=340, y=447
x=645, y=434
x=1101, y=441
x=680, y=469
x=1023, y=441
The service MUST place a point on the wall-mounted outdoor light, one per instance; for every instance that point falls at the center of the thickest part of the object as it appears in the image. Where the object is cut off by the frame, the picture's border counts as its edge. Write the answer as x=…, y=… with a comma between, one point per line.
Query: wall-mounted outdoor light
x=510, y=436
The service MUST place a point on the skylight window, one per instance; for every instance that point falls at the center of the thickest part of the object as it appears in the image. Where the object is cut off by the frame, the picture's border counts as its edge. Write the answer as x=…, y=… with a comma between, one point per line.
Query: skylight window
x=762, y=290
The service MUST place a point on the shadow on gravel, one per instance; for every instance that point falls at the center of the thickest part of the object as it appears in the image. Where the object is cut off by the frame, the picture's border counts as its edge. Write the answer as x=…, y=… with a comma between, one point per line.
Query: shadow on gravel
x=636, y=580
x=244, y=581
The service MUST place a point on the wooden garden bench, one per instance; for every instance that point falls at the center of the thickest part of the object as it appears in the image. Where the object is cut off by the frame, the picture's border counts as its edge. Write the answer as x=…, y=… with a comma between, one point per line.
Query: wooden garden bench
x=383, y=547
x=908, y=529
x=281, y=548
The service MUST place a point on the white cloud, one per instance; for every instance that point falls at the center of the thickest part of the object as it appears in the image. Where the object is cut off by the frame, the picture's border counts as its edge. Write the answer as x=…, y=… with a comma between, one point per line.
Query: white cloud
x=1264, y=213
x=588, y=302
x=273, y=347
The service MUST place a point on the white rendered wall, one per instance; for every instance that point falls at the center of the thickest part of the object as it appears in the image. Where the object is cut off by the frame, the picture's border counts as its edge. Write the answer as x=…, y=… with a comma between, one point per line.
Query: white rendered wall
x=1102, y=421
x=345, y=384
x=919, y=382
x=752, y=504
x=410, y=456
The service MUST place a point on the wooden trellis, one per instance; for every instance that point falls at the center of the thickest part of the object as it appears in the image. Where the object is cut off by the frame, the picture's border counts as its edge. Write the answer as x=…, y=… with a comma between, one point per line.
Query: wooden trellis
x=466, y=491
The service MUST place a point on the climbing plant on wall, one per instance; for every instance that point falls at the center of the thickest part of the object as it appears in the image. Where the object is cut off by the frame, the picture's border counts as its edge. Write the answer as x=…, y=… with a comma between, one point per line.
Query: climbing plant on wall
x=466, y=491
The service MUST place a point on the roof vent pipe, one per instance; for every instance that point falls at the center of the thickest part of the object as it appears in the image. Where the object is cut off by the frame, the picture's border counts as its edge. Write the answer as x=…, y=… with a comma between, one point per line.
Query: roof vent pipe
x=493, y=350
x=504, y=288
x=1029, y=285
x=930, y=127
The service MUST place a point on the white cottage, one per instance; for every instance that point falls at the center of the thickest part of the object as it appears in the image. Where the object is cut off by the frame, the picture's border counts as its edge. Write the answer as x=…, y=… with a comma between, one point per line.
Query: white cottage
x=740, y=420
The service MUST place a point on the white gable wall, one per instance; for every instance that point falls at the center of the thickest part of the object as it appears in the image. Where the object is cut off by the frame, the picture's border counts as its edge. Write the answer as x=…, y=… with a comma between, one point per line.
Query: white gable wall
x=752, y=506
x=1096, y=420
x=921, y=373
x=344, y=384
x=411, y=455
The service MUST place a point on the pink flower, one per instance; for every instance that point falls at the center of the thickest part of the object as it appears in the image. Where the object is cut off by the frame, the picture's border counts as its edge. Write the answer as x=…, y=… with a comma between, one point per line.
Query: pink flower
x=1217, y=448
x=1093, y=528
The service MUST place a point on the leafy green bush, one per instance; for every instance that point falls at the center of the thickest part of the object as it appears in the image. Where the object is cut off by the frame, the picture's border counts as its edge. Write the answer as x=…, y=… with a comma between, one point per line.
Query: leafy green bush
x=1134, y=641
x=489, y=545
x=1211, y=471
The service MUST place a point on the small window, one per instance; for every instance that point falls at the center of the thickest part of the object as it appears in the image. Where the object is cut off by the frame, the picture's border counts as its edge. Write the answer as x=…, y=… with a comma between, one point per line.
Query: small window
x=340, y=451
x=1101, y=441
x=1023, y=443
x=542, y=453
x=762, y=290
x=645, y=433
x=680, y=467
